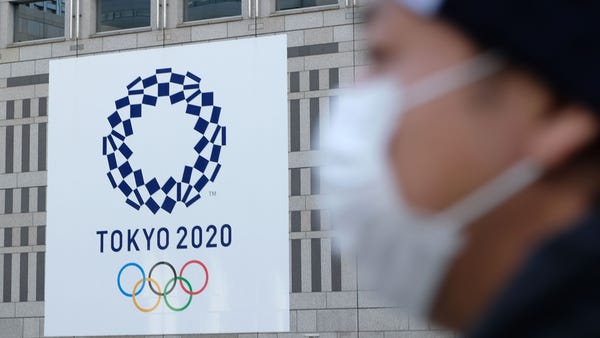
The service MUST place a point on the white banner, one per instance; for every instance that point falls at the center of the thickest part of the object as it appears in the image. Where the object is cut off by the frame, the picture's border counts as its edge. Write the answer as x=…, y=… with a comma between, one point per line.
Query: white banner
x=168, y=191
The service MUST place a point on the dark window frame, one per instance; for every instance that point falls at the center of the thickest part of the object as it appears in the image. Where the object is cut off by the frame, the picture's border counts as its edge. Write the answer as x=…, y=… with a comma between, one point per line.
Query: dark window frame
x=303, y=5
x=14, y=11
x=140, y=13
x=185, y=19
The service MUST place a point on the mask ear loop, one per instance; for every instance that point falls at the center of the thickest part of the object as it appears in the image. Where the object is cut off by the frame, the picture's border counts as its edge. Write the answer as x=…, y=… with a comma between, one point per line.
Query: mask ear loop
x=501, y=188
x=494, y=193
x=452, y=79
x=447, y=81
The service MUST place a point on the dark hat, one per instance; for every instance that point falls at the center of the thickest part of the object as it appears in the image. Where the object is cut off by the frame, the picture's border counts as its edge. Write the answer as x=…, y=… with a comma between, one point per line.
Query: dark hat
x=555, y=39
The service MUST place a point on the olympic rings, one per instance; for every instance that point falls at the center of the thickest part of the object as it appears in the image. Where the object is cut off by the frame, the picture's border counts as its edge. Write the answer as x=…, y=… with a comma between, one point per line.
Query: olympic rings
x=154, y=286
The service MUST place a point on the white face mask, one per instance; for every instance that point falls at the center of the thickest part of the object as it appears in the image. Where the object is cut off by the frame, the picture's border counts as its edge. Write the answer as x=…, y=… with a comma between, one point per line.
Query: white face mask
x=402, y=252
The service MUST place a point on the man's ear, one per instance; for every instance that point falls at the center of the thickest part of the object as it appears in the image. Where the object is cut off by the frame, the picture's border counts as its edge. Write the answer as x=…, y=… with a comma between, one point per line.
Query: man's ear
x=562, y=134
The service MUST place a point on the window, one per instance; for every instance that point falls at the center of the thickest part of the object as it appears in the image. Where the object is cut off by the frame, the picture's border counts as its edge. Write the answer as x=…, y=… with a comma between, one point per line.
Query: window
x=120, y=14
x=210, y=9
x=39, y=20
x=291, y=4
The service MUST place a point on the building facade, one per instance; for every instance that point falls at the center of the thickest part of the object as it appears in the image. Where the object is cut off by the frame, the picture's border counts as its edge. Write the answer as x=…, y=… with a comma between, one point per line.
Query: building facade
x=325, y=54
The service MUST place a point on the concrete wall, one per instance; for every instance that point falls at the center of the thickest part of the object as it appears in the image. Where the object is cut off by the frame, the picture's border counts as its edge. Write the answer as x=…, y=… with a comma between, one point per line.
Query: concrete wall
x=325, y=54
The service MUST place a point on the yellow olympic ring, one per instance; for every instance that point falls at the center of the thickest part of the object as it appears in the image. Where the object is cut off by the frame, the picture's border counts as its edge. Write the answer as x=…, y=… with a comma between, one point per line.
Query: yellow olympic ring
x=150, y=280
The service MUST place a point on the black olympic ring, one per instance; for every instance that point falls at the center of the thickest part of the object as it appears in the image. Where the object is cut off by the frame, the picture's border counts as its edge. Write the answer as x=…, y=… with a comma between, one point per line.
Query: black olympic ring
x=166, y=292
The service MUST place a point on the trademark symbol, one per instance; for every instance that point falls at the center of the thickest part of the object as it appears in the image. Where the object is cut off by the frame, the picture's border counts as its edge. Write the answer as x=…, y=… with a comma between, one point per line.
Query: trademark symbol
x=212, y=193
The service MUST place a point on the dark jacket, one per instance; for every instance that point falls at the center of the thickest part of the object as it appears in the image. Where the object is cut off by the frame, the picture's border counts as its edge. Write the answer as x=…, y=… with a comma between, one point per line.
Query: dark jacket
x=556, y=294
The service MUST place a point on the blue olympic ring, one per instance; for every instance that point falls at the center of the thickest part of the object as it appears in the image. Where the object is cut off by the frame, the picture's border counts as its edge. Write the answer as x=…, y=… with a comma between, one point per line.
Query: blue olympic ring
x=119, y=279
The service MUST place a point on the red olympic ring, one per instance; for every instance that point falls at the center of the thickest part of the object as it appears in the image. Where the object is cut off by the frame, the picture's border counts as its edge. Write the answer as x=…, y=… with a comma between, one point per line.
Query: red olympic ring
x=190, y=292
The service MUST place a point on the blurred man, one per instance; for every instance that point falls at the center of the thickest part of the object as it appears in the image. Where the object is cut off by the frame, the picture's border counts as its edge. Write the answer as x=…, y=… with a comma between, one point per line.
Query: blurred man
x=467, y=165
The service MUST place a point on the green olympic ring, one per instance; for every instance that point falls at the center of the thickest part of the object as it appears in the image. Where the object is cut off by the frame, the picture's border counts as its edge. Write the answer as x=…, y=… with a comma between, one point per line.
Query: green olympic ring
x=172, y=280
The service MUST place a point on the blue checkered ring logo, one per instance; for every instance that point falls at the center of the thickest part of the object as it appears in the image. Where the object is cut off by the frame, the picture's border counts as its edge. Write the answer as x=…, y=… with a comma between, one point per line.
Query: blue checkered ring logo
x=184, y=187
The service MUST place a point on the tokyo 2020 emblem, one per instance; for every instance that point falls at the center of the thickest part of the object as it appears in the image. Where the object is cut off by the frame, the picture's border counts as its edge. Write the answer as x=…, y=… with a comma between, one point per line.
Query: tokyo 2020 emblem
x=183, y=187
